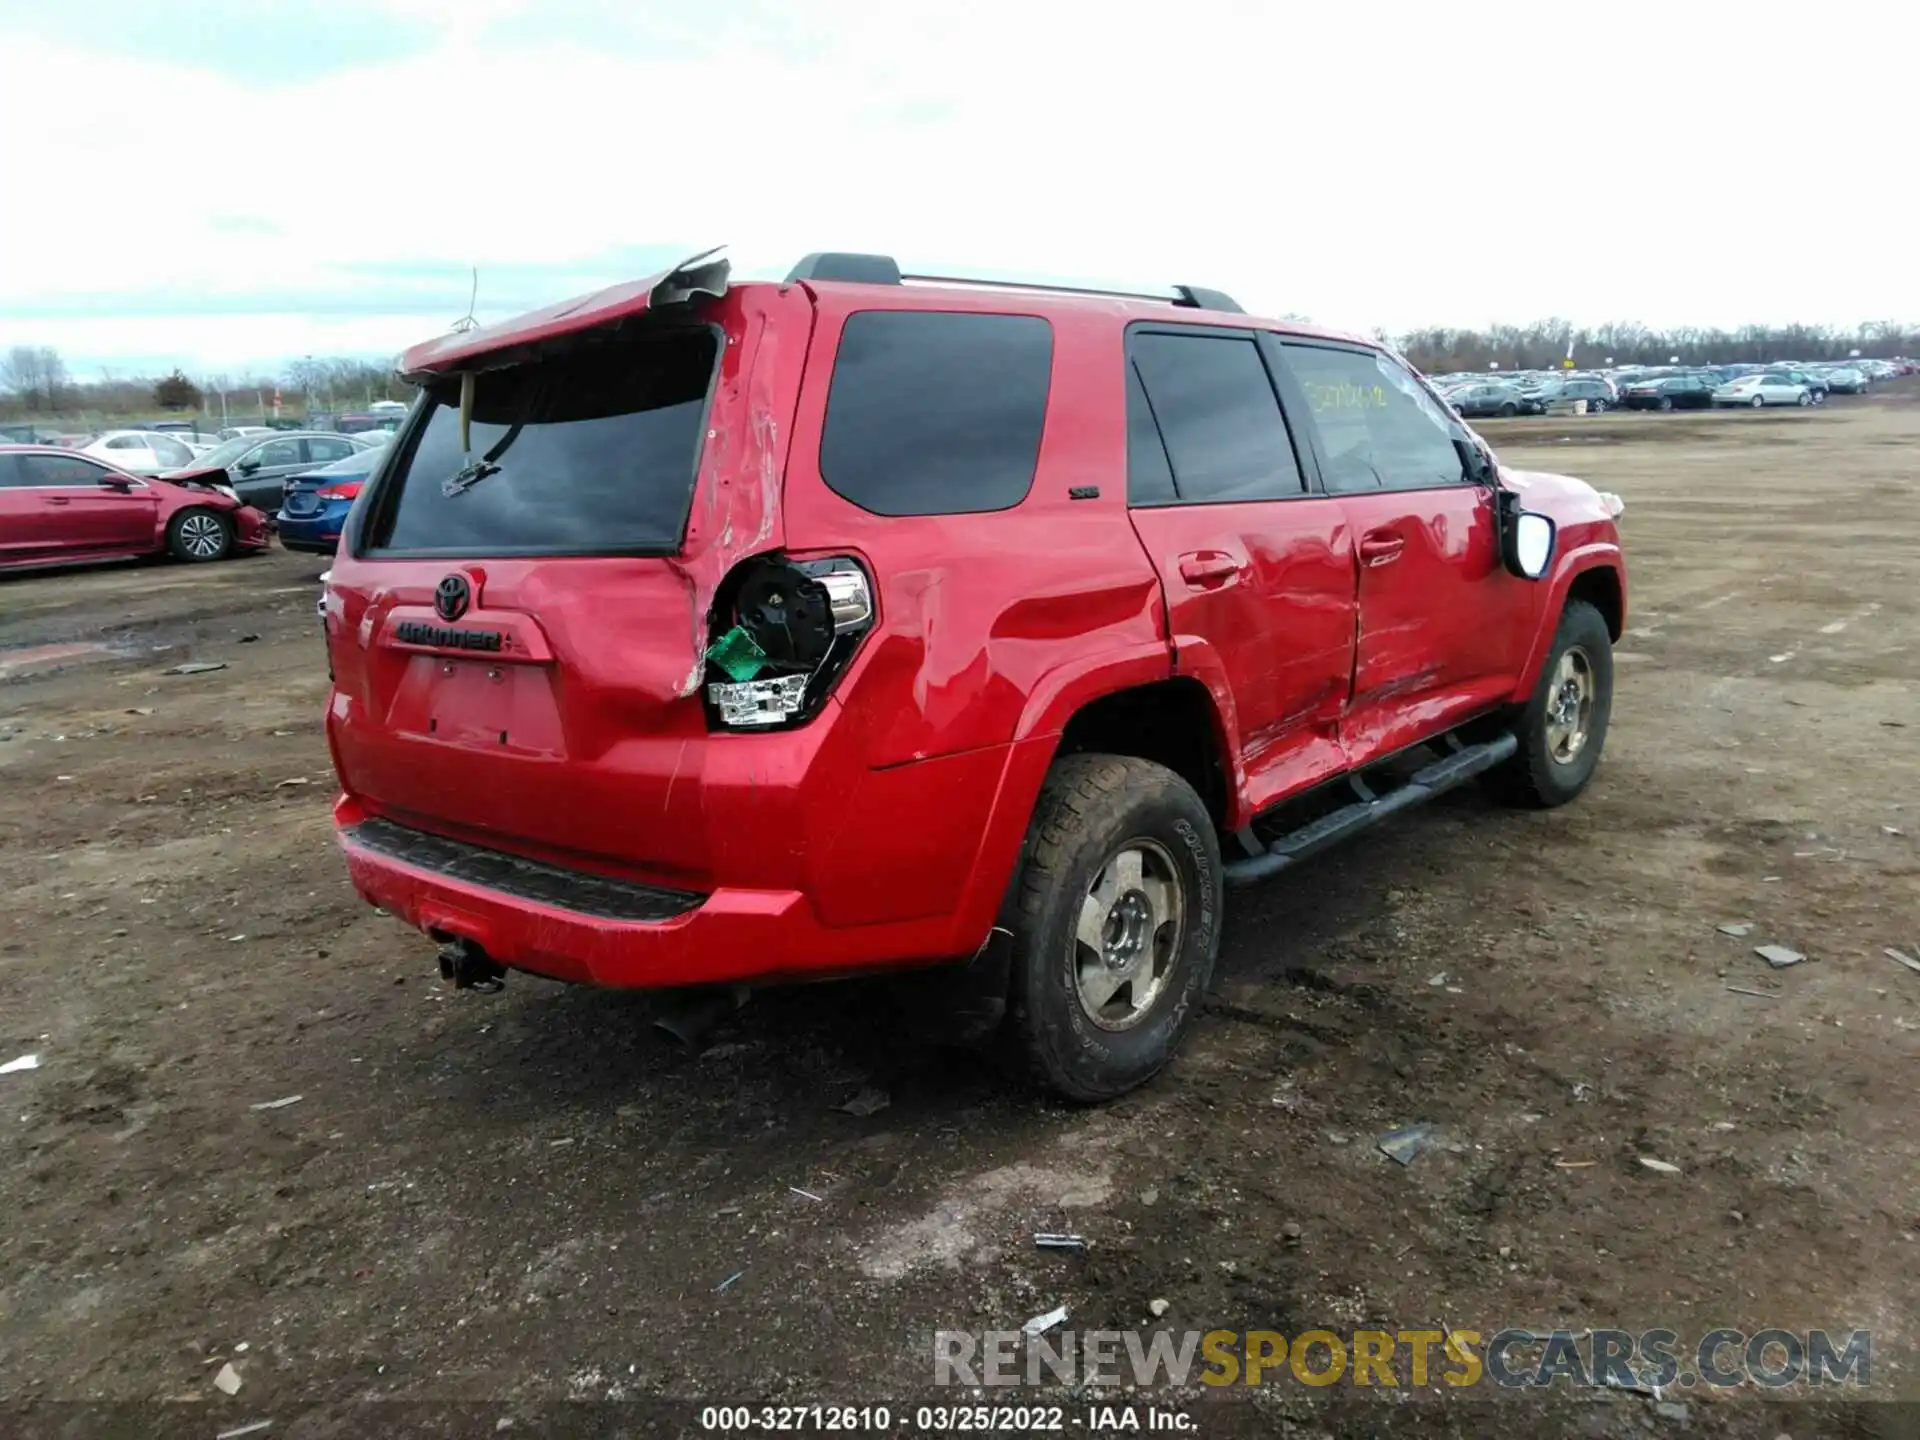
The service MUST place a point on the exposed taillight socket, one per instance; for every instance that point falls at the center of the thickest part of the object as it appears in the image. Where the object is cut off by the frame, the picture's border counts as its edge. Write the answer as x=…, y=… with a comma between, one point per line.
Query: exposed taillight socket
x=782, y=632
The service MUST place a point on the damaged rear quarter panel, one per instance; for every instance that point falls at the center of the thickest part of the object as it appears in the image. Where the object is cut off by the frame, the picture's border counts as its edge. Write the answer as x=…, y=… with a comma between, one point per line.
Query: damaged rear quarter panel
x=736, y=509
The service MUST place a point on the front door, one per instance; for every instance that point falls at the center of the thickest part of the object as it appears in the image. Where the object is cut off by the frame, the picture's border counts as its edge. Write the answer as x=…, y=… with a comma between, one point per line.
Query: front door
x=85, y=512
x=1257, y=568
x=1441, y=621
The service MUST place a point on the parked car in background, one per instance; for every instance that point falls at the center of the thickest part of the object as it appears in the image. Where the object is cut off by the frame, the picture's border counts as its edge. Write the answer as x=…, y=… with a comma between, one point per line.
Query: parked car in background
x=1670, y=392
x=1757, y=391
x=1598, y=393
x=317, y=502
x=232, y=431
x=1816, y=384
x=139, y=452
x=1487, y=398
x=257, y=466
x=1846, y=380
x=59, y=507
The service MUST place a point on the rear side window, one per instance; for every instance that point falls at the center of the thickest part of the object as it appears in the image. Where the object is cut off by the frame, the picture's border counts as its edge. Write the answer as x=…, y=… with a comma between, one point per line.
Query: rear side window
x=1216, y=411
x=590, y=452
x=932, y=413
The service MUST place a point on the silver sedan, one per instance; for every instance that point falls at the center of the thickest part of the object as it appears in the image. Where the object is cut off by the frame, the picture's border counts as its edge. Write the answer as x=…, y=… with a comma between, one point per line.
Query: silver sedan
x=1759, y=390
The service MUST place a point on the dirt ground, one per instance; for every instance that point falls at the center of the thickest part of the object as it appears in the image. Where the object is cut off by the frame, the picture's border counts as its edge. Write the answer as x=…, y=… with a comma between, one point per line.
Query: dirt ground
x=482, y=1208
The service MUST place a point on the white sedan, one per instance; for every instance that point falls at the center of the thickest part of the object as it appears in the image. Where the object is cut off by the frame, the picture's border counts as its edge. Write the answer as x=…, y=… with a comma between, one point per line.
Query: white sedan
x=140, y=452
x=1758, y=390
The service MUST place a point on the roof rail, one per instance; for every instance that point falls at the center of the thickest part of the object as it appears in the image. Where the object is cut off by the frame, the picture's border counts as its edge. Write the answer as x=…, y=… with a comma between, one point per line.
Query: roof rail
x=885, y=270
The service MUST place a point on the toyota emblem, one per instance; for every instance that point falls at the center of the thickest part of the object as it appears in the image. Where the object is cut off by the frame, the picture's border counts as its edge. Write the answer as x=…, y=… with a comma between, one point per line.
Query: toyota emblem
x=451, y=596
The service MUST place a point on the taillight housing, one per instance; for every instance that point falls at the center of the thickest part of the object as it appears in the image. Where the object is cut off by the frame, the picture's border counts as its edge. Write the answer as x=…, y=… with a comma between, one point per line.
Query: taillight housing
x=781, y=633
x=345, y=490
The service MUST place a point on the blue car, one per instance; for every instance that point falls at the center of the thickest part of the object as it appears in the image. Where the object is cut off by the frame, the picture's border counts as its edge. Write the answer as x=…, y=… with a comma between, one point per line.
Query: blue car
x=317, y=501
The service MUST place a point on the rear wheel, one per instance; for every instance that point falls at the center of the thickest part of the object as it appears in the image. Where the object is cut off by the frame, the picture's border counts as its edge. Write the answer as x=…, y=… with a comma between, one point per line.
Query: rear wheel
x=1757, y=401
x=1115, y=919
x=1509, y=410
x=1564, y=726
x=1596, y=407
x=1806, y=397
x=1666, y=402
x=198, y=535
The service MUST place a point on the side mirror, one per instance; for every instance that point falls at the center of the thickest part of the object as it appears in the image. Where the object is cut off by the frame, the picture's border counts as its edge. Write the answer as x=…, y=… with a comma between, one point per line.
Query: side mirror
x=1526, y=539
x=247, y=467
x=118, y=482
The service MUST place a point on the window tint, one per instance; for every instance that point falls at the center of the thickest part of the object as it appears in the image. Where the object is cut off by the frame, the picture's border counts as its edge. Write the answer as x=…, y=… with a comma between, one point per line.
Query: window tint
x=326, y=451
x=44, y=470
x=933, y=413
x=277, y=452
x=592, y=451
x=1216, y=410
x=1378, y=428
x=1149, y=476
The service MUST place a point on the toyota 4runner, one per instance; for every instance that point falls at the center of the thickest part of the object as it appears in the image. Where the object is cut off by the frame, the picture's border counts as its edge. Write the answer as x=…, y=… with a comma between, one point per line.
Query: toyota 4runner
x=696, y=632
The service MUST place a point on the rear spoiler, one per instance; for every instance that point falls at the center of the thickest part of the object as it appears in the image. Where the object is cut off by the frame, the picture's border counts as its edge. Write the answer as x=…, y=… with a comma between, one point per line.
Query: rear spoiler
x=513, y=342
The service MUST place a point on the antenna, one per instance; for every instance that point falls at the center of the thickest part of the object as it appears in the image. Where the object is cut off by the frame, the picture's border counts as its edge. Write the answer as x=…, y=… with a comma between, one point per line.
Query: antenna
x=466, y=322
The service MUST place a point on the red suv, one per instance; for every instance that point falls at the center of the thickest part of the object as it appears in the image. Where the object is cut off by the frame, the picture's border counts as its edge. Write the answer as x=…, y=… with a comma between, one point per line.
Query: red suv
x=696, y=632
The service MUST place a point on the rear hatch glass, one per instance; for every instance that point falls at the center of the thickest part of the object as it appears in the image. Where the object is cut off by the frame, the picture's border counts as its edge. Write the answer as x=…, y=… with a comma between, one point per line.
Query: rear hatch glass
x=591, y=451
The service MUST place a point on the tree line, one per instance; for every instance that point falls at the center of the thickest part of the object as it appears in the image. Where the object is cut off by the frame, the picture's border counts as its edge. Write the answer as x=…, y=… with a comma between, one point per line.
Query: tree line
x=1545, y=343
x=35, y=381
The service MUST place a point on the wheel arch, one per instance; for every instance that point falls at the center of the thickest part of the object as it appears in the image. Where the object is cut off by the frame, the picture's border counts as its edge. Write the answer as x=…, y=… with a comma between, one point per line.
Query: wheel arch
x=1594, y=573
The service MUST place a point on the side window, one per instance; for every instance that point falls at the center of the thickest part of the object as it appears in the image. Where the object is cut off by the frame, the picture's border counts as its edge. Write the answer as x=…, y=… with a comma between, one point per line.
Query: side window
x=127, y=442
x=323, y=451
x=13, y=475
x=936, y=412
x=59, y=470
x=170, y=451
x=1149, y=474
x=277, y=452
x=1379, y=429
x=1215, y=407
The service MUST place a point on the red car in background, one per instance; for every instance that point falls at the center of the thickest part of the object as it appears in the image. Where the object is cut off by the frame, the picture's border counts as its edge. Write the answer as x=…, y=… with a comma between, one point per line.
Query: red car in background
x=59, y=508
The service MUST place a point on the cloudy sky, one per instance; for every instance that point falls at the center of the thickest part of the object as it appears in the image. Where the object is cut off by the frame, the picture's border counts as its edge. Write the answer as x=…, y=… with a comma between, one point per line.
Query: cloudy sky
x=233, y=182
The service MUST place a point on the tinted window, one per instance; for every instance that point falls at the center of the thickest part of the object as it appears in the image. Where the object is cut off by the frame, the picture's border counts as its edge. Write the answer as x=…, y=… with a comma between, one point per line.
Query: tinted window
x=1149, y=476
x=67, y=470
x=1217, y=413
x=1379, y=429
x=591, y=451
x=936, y=414
x=276, y=452
x=325, y=450
x=169, y=451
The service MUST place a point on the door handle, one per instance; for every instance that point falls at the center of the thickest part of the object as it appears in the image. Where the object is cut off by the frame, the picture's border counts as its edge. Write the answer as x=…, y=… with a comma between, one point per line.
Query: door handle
x=1208, y=566
x=58, y=500
x=1382, y=547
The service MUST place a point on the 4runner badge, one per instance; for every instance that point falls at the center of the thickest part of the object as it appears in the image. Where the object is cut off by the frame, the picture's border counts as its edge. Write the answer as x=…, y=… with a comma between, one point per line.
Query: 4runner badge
x=450, y=597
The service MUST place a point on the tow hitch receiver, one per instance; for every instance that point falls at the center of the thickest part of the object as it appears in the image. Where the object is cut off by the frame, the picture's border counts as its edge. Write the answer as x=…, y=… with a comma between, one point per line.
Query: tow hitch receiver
x=471, y=968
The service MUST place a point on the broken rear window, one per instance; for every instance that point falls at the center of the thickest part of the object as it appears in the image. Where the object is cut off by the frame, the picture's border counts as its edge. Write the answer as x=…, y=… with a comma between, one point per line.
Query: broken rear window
x=593, y=451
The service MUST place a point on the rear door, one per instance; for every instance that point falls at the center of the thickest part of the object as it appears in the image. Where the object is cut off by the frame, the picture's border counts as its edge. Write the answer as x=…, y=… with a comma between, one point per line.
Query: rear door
x=23, y=523
x=261, y=476
x=1441, y=620
x=518, y=618
x=1256, y=566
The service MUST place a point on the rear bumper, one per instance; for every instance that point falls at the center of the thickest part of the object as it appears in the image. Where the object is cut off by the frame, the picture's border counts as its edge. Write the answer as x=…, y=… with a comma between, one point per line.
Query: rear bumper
x=314, y=534
x=729, y=934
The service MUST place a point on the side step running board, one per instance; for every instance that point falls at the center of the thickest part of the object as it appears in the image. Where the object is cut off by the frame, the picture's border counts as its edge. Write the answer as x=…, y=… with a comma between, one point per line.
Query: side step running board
x=1441, y=776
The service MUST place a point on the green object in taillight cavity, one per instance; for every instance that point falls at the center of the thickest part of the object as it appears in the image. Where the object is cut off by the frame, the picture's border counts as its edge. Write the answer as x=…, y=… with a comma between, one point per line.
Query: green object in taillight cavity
x=735, y=653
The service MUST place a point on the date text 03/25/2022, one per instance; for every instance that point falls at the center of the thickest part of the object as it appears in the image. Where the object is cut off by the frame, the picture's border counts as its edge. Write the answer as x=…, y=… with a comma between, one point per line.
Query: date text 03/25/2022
x=948, y=1419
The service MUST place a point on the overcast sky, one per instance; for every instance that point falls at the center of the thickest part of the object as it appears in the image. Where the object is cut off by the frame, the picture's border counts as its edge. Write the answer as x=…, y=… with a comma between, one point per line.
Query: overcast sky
x=233, y=182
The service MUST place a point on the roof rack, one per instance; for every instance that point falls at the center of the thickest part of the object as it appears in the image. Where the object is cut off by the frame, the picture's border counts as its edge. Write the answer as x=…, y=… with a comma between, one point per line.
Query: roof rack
x=885, y=270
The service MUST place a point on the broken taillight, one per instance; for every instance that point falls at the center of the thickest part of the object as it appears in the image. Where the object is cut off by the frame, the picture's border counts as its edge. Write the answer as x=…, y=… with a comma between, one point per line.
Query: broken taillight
x=783, y=631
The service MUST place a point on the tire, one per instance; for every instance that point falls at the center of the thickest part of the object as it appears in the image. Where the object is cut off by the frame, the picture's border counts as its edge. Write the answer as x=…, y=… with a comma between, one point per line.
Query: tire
x=1541, y=775
x=1819, y=397
x=1806, y=397
x=1666, y=402
x=1597, y=407
x=1161, y=919
x=1509, y=410
x=198, y=535
x=1758, y=401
